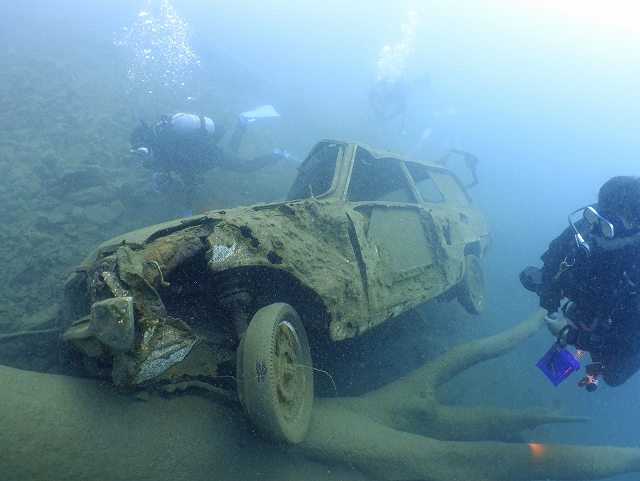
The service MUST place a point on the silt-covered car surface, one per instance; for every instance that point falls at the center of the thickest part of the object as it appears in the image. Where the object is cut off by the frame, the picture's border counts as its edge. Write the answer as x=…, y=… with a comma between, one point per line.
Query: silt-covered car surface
x=363, y=236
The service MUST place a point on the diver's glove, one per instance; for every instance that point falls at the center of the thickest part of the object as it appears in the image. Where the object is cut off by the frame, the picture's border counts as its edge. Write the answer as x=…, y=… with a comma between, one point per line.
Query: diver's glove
x=557, y=325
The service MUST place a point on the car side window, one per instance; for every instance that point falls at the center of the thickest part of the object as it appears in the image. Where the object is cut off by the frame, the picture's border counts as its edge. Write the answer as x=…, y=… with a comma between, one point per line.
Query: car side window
x=378, y=179
x=424, y=183
x=316, y=173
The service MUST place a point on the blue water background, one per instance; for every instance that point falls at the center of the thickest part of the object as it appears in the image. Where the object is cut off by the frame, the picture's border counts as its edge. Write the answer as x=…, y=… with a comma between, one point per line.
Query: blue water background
x=544, y=93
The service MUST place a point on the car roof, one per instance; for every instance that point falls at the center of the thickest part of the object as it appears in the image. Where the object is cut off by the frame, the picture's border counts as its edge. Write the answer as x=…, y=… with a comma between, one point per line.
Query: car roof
x=381, y=154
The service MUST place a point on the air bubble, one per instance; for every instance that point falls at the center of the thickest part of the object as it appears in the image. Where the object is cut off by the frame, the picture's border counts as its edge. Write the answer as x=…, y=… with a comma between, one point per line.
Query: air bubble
x=158, y=45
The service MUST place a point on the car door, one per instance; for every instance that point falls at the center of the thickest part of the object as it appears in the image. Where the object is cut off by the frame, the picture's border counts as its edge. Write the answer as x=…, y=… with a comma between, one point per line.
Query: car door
x=395, y=235
x=435, y=188
x=457, y=198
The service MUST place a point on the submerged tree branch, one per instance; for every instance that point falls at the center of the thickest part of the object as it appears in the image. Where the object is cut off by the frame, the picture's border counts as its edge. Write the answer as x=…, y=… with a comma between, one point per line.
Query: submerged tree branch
x=15, y=335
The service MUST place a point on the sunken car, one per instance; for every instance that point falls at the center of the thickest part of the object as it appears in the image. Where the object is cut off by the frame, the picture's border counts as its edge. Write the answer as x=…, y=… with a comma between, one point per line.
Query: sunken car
x=229, y=299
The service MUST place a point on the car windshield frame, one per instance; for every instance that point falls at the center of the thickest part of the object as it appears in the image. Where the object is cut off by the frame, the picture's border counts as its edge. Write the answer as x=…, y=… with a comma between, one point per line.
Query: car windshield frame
x=319, y=168
x=364, y=157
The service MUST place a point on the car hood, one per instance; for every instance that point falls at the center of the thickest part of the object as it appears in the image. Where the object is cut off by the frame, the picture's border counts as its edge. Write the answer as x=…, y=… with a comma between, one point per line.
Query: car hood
x=147, y=234
x=309, y=239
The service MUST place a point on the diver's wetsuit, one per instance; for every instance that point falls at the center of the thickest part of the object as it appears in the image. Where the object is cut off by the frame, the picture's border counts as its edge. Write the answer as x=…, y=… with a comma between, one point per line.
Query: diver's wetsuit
x=388, y=98
x=188, y=145
x=603, y=290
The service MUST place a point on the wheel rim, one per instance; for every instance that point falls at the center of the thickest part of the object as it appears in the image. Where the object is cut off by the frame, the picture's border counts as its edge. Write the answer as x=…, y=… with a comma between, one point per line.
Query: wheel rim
x=288, y=369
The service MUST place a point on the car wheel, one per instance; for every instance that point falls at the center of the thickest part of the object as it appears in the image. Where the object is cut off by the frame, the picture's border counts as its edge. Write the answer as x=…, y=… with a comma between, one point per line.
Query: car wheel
x=277, y=377
x=471, y=294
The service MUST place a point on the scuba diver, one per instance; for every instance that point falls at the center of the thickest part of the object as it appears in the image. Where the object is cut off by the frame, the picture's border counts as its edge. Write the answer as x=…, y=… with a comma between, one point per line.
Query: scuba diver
x=590, y=284
x=188, y=145
x=388, y=98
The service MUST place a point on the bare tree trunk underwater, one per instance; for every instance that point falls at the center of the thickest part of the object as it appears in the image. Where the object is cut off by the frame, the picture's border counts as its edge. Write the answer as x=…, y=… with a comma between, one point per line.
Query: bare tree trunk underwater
x=62, y=428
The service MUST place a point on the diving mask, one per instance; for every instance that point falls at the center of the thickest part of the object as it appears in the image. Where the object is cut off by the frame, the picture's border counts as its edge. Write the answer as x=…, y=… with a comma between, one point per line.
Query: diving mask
x=593, y=218
x=140, y=152
x=606, y=227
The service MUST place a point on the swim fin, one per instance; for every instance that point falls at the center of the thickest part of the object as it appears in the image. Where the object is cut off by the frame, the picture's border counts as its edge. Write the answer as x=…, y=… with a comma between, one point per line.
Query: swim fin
x=262, y=112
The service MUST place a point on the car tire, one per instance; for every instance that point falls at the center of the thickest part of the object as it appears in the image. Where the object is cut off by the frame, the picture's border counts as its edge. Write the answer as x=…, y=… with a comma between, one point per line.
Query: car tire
x=471, y=293
x=239, y=372
x=277, y=375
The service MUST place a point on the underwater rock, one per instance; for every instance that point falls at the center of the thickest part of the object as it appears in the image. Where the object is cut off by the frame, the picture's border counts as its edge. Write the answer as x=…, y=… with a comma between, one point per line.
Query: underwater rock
x=52, y=220
x=104, y=214
x=81, y=178
x=92, y=195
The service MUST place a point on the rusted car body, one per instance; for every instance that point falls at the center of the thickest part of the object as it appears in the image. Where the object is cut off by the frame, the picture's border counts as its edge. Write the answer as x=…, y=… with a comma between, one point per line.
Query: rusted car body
x=362, y=237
